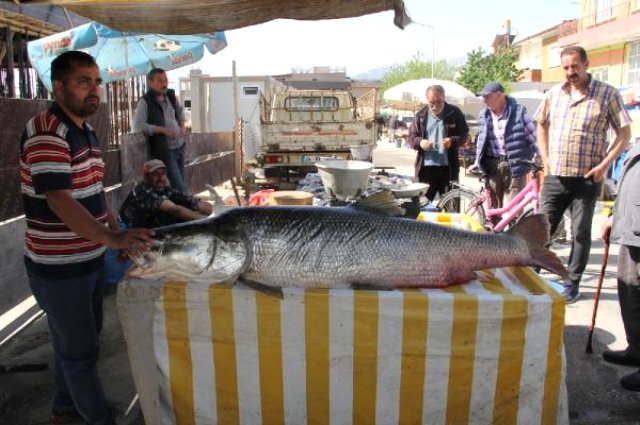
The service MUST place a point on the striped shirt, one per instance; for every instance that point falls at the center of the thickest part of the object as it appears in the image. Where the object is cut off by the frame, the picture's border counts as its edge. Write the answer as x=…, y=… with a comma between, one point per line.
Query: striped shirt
x=578, y=127
x=55, y=154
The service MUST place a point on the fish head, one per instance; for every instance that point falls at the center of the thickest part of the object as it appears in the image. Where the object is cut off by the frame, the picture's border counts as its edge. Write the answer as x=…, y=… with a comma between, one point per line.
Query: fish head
x=191, y=256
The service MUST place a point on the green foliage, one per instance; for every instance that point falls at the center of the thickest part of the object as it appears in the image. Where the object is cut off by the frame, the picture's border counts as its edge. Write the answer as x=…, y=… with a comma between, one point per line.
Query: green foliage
x=482, y=68
x=415, y=68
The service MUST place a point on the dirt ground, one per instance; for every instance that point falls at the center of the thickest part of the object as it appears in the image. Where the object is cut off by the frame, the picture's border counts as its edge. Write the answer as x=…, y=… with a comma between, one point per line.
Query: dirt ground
x=25, y=397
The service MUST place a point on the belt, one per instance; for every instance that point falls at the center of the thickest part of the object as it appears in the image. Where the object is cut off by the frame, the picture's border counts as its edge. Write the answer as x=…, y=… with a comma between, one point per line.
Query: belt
x=498, y=158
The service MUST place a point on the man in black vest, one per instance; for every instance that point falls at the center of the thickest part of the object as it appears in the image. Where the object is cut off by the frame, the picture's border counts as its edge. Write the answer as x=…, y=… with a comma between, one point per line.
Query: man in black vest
x=160, y=117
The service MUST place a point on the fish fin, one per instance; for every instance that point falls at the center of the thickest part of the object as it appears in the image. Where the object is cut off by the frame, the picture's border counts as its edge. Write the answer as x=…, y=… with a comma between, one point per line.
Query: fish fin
x=535, y=232
x=458, y=277
x=370, y=287
x=213, y=194
x=534, y=229
x=261, y=287
x=548, y=260
x=382, y=202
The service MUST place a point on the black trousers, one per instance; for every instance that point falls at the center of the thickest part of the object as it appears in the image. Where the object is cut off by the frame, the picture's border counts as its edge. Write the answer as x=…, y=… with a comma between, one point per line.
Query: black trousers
x=437, y=177
x=558, y=193
x=629, y=295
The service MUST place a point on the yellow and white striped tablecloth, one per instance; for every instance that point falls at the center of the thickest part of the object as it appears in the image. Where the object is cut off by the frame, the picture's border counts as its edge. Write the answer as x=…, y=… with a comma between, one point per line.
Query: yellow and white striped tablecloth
x=489, y=351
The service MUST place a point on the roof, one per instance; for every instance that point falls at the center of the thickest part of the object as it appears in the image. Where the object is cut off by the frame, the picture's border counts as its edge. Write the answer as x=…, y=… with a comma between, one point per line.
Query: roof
x=38, y=19
x=191, y=17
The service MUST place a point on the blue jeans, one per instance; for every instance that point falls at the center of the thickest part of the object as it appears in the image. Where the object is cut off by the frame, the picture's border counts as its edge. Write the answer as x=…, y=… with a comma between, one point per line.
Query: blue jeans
x=558, y=193
x=175, y=169
x=74, y=314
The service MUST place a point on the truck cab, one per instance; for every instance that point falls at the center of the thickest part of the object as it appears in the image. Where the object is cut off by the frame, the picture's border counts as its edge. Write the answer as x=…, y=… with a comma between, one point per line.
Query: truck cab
x=300, y=127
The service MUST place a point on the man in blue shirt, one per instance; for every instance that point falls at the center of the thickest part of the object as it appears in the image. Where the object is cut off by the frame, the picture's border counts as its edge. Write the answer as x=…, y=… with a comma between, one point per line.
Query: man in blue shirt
x=436, y=133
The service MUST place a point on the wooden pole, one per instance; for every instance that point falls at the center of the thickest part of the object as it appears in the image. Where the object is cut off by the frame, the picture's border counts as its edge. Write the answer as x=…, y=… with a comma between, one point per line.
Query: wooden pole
x=236, y=134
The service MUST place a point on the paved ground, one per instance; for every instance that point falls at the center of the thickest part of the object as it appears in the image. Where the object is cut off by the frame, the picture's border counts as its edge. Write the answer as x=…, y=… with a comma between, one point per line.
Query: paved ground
x=595, y=396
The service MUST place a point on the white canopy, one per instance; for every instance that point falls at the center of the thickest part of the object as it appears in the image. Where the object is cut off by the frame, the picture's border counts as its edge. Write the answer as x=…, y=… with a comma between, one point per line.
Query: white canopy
x=415, y=91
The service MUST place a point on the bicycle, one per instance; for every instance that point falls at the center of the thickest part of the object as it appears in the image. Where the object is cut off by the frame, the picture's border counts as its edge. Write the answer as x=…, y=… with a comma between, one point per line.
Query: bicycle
x=479, y=206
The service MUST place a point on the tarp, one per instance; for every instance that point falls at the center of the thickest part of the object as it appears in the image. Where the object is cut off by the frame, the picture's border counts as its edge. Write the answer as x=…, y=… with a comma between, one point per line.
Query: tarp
x=415, y=91
x=489, y=351
x=192, y=17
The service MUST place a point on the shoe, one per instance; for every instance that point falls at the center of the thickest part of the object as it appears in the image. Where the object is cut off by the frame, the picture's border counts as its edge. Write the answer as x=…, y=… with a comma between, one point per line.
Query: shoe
x=70, y=416
x=631, y=381
x=620, y=357
x=571, y=293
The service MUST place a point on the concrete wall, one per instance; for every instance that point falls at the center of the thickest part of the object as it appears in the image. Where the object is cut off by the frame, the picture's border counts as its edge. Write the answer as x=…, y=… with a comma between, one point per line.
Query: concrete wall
x=13, y=278
x=209, y=156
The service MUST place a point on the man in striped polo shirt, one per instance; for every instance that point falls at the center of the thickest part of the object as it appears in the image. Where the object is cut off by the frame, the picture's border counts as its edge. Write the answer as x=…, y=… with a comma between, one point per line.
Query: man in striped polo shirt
x=69, y=225
x=573, y=122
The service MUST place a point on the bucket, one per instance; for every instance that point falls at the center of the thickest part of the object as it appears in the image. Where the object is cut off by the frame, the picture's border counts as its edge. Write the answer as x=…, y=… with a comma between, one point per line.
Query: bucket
x=361, y=152
x=344, y=179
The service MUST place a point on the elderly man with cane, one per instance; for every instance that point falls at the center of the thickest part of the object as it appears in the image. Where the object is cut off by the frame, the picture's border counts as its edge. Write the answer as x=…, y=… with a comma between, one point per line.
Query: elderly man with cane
x=624, y=228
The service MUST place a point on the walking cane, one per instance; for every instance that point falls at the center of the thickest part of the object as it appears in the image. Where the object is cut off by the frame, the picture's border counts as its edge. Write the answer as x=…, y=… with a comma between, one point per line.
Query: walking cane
x=605, y=258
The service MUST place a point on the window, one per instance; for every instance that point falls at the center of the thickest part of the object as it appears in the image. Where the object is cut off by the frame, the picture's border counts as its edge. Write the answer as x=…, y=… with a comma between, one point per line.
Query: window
x=554, y=56
x=250, y=91
x=633, y=66
x=600, y=74
x=311, y=103
x=604, y=10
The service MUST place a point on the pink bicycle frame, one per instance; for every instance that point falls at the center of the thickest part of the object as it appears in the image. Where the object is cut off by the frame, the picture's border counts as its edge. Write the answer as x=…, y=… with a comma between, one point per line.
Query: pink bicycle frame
x=514, y=208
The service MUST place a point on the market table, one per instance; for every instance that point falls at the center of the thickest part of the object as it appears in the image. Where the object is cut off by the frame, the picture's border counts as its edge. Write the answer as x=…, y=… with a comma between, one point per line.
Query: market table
x=490, y=351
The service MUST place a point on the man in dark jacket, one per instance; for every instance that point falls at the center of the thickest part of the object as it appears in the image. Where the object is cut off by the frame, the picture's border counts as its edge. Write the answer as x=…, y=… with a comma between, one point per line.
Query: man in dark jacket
x=626, y=232
x=436, y=133
x=507, y=138
x=160, y=117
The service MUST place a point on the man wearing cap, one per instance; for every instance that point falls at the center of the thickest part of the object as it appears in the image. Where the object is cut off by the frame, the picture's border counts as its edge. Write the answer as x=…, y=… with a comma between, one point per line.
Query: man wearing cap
x=436, y=133
x=507, y=138
x=573, y=123
x=153, y=203
x=160, y=117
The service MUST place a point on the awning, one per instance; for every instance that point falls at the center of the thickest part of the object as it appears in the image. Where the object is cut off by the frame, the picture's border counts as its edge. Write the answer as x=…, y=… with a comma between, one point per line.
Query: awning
x=191, y=17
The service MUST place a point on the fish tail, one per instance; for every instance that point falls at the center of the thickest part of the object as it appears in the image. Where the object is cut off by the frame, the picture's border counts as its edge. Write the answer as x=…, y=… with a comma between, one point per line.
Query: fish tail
x=534, y=230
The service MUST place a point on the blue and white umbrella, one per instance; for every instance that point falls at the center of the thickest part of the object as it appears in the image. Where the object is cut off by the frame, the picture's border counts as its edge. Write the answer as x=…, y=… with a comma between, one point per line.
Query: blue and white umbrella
x=122, y=55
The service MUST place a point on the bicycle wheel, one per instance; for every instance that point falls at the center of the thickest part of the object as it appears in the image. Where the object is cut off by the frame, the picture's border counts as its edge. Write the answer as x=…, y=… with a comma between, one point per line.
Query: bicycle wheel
x=462, y=201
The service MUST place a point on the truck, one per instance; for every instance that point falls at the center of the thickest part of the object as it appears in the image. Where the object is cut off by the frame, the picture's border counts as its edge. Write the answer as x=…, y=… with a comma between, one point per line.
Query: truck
x=300, y=127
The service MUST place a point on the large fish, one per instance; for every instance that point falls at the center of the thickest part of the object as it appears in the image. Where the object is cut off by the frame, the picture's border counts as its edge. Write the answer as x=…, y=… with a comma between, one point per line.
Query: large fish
x=338, y=247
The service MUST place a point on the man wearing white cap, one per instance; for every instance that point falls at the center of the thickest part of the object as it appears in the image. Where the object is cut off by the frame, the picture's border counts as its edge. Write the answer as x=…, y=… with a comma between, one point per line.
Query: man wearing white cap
x=155, y=203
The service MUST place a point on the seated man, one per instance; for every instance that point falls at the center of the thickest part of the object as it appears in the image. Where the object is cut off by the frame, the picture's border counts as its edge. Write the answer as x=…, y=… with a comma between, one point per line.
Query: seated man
x=153, y=203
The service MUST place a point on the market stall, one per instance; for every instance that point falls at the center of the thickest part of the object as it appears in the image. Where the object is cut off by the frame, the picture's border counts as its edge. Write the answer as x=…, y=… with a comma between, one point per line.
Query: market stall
x=490, y=351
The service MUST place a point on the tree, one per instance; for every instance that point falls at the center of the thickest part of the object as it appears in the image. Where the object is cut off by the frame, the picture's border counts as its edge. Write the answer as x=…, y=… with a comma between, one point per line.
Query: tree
x=415, y=68
x=482, y=68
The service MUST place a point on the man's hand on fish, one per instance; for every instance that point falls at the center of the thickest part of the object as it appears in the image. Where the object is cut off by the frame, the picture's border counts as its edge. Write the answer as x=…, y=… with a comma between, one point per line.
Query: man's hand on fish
x=132, y=240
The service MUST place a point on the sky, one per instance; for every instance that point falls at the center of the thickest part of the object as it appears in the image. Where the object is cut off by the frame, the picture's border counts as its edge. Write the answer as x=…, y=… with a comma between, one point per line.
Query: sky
x=372, y=41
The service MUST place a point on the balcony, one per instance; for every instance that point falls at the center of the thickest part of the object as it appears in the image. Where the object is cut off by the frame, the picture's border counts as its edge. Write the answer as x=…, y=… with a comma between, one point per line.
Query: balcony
x=616, y=24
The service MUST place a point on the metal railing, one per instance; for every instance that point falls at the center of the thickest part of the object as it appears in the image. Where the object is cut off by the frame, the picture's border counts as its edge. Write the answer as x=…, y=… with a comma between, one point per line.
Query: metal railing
x=616, y=10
